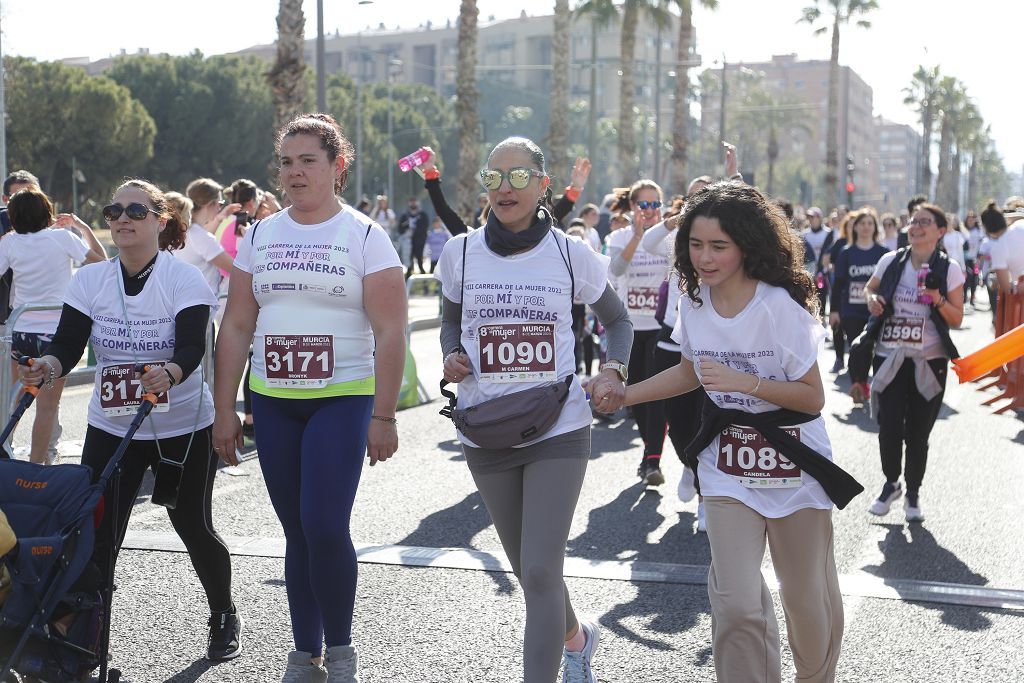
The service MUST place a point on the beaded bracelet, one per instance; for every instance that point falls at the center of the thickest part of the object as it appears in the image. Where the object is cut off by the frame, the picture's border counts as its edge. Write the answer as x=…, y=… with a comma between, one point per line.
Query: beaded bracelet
x=382, y=418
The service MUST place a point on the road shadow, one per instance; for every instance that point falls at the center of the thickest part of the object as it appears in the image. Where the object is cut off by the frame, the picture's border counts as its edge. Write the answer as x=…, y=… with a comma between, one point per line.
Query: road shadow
x=193, y=672
x=921, y=558
x=613, y=437
x=620, y=531
x=455, y=527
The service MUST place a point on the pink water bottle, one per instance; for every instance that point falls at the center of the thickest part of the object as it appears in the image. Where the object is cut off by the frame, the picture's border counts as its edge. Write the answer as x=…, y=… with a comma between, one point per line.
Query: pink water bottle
x=417, y=158
x=922, y=278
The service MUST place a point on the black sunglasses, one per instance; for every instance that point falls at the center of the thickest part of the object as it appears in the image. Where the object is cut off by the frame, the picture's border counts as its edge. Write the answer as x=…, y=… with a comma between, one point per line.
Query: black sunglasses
x=135, y=211
x=648, y=205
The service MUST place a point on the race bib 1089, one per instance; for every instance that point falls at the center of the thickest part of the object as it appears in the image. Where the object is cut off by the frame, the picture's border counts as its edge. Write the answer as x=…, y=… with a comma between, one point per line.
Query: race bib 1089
x=744, y=453
x=517, y=352
x=298, y=360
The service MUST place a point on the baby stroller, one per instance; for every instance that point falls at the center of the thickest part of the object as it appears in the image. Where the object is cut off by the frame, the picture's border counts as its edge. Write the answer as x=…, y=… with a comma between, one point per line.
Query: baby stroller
x=55, y=621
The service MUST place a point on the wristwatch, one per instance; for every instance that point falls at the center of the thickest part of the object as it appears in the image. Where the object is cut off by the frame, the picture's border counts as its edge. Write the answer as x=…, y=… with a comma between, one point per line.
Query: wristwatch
x=618, y=367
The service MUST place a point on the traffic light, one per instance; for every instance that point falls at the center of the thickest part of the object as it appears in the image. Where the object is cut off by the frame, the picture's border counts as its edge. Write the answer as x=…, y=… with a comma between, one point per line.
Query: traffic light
x=850, y=187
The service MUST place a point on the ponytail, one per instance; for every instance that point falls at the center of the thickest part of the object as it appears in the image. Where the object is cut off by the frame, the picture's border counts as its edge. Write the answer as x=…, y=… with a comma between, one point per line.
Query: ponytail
x=172, y=237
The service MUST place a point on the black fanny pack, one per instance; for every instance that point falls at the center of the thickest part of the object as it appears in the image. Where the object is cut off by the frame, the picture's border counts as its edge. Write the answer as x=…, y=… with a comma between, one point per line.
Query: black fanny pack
x=510, y=420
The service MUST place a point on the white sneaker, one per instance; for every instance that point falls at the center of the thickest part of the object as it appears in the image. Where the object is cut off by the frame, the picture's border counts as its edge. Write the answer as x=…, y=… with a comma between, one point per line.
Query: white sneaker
x=702, y=522
x=912, y=508
x=302, y=670
x=891, y=492
x=687, y=489
x=342, y=663
x=577, y=667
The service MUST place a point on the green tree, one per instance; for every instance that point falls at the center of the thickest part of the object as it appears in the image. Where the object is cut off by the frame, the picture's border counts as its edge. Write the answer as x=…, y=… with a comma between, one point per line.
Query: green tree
x=287, y=76
x=840, y=12
x=57, y=112
x=681, y=106
x=951, y=99
x=558, y=137
x=214, y=116
x=601, y=13
x=466, y=98
x=632, y=10
x=920, y=95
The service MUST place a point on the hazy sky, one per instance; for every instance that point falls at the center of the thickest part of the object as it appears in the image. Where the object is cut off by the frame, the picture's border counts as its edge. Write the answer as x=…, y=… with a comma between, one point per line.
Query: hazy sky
x=980, y=42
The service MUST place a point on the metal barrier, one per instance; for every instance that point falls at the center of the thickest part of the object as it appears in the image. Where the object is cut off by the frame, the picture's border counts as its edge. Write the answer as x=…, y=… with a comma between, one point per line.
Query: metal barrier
x=7, y=380
x=211, y=340
x=430, y=286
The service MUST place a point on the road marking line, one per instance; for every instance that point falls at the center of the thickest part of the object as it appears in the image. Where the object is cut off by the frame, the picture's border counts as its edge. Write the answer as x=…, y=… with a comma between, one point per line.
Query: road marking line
x=860, y=584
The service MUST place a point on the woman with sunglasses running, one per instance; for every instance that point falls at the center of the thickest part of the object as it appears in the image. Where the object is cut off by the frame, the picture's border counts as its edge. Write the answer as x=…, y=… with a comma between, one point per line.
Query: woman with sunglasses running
x=146, y=307
x=318, y=290
x=749, y=337
x=917, y=295
x=638, y=276
x=507, y=327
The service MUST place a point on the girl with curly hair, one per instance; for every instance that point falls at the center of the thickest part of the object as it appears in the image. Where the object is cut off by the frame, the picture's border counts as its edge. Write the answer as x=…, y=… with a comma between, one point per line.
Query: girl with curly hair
x=749, y=334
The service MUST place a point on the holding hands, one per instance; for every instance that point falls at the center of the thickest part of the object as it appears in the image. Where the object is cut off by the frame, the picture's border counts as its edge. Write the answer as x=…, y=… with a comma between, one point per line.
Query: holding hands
x=456, y=367
x=607, y=392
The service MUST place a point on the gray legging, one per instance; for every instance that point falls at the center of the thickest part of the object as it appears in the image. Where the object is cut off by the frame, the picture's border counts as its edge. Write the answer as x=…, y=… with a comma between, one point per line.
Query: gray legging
x=532, y=506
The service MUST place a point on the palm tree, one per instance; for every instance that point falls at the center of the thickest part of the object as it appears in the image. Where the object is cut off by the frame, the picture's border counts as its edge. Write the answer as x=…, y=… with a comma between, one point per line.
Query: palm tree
x=842, y=12
x=601, y=14
x=920, y=95
x=631, y=12
x=681, y=109
x=558, y=137
x=466, y=96
x=950, y=101
x=966, y=129
x=286, y=77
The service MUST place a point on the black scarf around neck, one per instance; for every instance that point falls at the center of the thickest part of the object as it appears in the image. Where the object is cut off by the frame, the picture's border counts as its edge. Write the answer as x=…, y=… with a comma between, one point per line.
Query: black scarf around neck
x=504, y=242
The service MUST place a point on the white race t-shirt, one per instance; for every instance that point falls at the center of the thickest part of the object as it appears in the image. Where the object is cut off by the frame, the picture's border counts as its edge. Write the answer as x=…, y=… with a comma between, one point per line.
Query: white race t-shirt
x=42, y=270
x=817, y=240
x=308, y=282
x=775, y=339
x=173, y=286
x=910, y=325
x=200, y=249
x=517, y=318
x=593, y=238
x=661, y=241
x=953, y=242
x=1008, y=252
x=638, y=286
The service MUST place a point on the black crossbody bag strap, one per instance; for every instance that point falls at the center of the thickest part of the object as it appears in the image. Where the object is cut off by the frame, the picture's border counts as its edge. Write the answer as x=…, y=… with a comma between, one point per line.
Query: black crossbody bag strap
x=450, y=395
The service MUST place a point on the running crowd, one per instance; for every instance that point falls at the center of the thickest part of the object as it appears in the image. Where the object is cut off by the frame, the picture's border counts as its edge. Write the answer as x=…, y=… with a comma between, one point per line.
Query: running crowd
x=705, y=310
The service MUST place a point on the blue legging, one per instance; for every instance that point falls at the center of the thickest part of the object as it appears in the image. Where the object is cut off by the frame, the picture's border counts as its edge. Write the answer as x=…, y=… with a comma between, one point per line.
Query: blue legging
x=311, y=453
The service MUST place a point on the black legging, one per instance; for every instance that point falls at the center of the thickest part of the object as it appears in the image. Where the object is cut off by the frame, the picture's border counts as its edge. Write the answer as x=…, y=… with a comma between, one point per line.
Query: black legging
x=682, y=412
x=848, y=329
x=650, y=417
x=192, y=519
x=904, y=416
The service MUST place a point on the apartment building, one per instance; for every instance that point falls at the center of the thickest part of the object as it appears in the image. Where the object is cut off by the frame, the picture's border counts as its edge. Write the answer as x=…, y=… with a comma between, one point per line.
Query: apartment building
x=899, y=163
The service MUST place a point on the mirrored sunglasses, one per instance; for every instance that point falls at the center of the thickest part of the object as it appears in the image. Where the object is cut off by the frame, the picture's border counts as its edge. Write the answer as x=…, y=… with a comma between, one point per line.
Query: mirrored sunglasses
x=518, y=178
x=644, y=206
x=135, y=211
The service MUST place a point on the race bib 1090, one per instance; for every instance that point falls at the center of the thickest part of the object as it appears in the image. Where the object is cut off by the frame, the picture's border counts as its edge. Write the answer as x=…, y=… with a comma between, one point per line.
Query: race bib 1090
x=744, y=453
x=517, y=352
x=298, y=361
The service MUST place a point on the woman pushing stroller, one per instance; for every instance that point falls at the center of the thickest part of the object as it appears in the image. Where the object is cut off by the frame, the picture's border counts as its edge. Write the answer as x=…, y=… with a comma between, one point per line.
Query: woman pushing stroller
x=147, y=309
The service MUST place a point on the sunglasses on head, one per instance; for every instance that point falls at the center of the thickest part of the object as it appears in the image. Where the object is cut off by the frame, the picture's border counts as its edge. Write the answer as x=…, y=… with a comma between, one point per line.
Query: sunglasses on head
x=518, y=178
x=135, y=211
x=648, y=205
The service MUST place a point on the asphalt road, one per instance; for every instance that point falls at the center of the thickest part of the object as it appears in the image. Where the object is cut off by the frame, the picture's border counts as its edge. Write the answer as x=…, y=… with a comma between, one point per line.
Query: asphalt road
x=443, y=624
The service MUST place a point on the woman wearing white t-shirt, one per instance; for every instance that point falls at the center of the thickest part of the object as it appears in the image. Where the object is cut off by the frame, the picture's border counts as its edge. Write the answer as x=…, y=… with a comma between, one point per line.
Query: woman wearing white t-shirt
x=146, y=307
x=201, y=248
x=638, y=275
x=912, y=352
x=41, y=258
x=506, y=328
x=763, y=458
x=318, y=290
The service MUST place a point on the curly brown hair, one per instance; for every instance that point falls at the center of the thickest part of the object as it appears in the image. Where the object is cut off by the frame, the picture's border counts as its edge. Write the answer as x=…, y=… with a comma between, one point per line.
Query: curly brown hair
x=332, y=140
x=772, y=252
